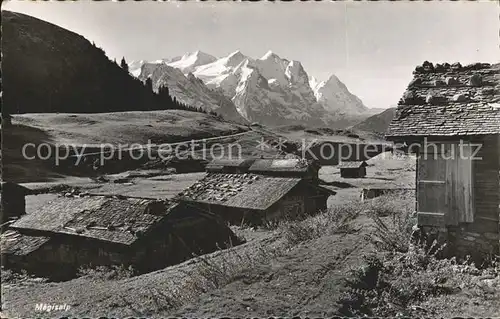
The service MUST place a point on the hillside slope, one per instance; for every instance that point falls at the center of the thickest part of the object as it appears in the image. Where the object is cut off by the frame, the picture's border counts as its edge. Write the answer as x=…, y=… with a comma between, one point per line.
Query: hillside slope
x=377, y=123
x=87, y=132
x=46, y=68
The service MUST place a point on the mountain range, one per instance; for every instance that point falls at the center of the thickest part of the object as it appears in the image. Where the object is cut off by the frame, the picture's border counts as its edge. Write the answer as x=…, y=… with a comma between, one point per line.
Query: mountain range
x=67, y=73
x=270, y=90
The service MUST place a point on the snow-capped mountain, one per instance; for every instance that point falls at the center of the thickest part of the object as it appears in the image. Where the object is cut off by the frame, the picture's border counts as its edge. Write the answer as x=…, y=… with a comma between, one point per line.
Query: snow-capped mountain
x=134, y=67
x=334, y=96
x=270, y=90
x=188, y=62
x=189, y=90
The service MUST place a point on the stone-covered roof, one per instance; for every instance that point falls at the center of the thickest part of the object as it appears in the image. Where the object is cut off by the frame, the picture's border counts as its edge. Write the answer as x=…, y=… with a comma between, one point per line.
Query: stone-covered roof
x=449, y=100
x=352, y=164
x=220, y=164
x=108, y=219
x=280, y=165
x=249, y=191
x=14, y=243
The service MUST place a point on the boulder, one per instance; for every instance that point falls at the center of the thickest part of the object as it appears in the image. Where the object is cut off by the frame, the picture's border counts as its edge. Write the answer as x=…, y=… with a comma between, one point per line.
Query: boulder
x=428, y=66
x=439, y=67
x=477, y=66
x=415, y=81
x=408, y=96
x=434, y=99
x=438, y=83
x=475, y=80
x=430, y=99
x=451, y=81
x=488, y=91
x=419, y=69
x=460, y=97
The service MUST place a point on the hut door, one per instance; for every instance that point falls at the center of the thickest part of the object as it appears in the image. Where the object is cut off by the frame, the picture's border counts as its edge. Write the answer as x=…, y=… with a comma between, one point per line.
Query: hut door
x=431, y=189
x=459, y=186
x=444, y=186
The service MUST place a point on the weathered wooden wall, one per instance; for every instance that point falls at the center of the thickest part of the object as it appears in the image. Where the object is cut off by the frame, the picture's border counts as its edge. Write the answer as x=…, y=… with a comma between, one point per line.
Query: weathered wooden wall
x=461, y=198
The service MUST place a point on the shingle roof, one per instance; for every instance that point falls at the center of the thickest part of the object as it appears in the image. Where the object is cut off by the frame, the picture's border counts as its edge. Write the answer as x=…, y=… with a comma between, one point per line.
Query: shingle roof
x=219, y=164
x=109, y=219
x=14, y=243
x=352, y=164
x=279, y=165
x=240, y=190
x=449, y=100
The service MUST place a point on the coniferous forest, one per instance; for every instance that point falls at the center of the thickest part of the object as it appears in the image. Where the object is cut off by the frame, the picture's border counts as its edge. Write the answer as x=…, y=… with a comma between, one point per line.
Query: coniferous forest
x=68, y=74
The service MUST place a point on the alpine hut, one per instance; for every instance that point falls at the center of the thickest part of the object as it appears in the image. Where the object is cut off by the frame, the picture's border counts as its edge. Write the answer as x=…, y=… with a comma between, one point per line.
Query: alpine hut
x=352, y=169
x=13, y=203
x=70, y=232
x=450, y=117
x=266, y=190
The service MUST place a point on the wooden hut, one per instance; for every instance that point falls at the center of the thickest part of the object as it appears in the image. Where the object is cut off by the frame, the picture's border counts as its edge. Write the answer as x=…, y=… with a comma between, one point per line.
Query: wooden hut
x=353, y=169
x=333, y=153
x=450, y=117
x=258, y=190
x=13, y=201
x=69, y=232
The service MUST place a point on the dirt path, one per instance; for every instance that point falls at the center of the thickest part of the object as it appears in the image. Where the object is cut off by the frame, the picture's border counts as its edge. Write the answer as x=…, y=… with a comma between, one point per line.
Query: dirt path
x=305, y=281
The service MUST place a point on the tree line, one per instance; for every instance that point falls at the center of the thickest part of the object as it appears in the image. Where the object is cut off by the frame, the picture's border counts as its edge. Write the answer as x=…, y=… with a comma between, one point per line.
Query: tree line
x=71, y=76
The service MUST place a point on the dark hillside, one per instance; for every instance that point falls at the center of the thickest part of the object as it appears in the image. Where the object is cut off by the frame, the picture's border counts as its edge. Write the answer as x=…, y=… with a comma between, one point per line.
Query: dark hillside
x=47, y=69
x=377, y=123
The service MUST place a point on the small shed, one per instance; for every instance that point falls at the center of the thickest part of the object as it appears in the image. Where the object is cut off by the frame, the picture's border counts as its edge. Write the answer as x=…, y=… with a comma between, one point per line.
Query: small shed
x=69, y=232
x=450, y=118
x=13, y=201
x=354, y=169
x=253, y=198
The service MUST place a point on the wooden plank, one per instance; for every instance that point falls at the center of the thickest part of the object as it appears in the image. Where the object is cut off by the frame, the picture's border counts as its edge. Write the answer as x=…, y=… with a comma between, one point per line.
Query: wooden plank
x=430, y=219
x=466, y=185
x=431, y=187
x=433, y=169
x=459, y=187
x=431, y=198
x=431, y=182
x=487, y=219
x=451, y=217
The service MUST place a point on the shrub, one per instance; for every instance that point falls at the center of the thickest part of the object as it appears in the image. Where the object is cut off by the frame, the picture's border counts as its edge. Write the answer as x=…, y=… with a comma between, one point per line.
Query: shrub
x=390, y=284
x=12, y=276
x=394, y=218
x=337, y=219
x=213, y=273
x=106, y=272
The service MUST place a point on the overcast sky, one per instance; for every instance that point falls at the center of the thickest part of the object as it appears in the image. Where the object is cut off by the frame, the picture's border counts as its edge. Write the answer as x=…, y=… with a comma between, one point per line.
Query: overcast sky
x=371, y=46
